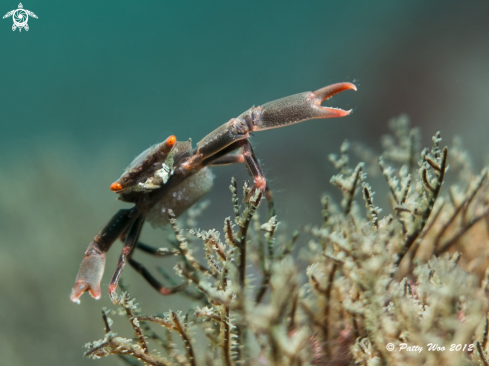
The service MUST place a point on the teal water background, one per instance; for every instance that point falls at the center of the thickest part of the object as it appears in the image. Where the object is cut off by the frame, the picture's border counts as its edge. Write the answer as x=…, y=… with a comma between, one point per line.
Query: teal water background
x=91, y=84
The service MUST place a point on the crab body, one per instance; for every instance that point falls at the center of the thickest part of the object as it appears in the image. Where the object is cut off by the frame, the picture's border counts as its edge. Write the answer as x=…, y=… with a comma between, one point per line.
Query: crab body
x=173, y=176
x=150, y=177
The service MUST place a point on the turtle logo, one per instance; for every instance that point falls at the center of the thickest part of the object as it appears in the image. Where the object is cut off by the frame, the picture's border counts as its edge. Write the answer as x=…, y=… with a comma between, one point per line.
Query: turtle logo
x=20, y=17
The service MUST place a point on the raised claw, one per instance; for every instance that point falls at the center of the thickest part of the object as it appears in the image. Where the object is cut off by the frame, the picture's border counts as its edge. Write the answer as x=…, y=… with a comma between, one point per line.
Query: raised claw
x=278, y=113
x=298, y=108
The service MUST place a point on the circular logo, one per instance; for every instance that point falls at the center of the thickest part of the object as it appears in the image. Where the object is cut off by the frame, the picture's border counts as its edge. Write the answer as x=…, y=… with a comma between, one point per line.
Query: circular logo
x=390, y=347
x=20, y=18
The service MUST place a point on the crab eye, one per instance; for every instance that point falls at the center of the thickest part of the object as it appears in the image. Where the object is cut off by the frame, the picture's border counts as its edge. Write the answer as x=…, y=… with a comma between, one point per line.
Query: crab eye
x=116, y=186
x=171, y=140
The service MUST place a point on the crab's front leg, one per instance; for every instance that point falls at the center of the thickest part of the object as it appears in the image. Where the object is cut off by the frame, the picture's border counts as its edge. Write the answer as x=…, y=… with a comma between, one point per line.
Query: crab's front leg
x=130, y=243
x=279, y=113
x=93, y=264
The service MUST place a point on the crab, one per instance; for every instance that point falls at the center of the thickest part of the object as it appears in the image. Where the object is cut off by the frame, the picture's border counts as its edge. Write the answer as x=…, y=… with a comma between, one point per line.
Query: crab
x=173, y=176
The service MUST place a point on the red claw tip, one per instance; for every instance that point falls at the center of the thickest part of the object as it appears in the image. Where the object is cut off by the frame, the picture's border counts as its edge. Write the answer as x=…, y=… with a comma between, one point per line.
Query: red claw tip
x=95, y=293
x=327, y=92
x=351, y=86
x=77, y=291
x=81, y=287
x=330, y=90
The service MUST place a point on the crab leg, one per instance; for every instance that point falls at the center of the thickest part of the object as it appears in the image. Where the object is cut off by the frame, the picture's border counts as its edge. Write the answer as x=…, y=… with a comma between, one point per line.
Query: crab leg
x=247, y=157
x=259, y=180
x=228, y=159
x=279, y=113
x=129, y=245
x=253, y=166
x=148, y=276
x=153, y=281
x=92, y=266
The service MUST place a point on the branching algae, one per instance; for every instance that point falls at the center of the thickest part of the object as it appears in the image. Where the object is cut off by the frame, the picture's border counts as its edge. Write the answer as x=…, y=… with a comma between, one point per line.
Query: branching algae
x=407, y=288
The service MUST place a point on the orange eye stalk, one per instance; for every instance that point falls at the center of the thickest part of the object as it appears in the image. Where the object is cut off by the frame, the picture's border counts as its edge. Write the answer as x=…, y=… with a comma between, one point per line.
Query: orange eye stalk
x=167, y=145
x=115, y=187
x=171, y=140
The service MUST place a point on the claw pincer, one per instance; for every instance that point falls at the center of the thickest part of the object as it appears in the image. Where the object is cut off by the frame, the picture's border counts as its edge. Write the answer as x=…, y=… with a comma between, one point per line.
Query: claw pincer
x=93, y=264
x=90, y=274
x=301, y=107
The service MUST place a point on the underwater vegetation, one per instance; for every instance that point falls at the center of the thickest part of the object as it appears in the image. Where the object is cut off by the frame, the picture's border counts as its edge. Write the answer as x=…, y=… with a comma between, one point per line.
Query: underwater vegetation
x=416, y=275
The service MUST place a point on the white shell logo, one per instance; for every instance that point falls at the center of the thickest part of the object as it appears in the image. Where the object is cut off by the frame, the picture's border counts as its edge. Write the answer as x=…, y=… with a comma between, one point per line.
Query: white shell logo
x=20, y=17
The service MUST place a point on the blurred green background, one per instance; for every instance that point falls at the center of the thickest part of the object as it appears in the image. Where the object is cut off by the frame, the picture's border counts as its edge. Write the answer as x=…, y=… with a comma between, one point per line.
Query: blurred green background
x=92, y=84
